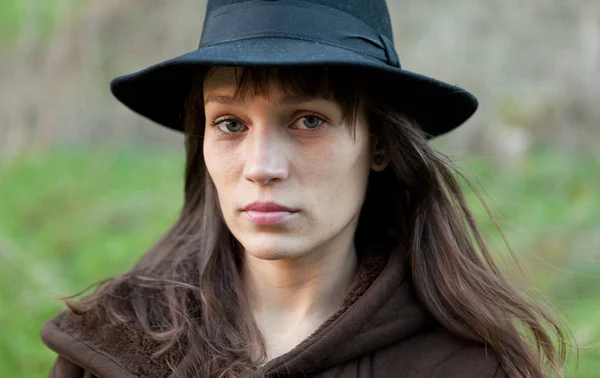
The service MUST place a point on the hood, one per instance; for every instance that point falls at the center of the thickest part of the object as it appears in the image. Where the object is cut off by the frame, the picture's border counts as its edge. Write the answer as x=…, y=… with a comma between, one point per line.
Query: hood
x=379, y=309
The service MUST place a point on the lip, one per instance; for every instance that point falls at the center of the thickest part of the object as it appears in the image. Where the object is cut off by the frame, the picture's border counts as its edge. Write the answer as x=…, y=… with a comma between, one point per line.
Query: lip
x=268, y=213
x=266, y=207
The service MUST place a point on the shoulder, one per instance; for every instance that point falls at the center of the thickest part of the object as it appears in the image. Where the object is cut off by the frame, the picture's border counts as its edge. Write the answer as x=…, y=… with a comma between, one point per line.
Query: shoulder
x=439, y=353
x=77, y=357
x=90, y=344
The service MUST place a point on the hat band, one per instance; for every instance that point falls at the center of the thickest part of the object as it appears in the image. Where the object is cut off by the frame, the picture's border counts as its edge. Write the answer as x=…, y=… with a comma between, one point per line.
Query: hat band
x=296, y=20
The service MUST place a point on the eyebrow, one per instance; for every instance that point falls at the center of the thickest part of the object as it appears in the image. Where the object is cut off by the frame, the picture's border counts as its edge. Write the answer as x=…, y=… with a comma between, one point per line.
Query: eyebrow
x=289, y=99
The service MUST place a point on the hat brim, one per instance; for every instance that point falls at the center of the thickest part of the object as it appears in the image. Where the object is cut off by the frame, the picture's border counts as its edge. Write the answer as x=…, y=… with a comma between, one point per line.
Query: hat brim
x=159, y=92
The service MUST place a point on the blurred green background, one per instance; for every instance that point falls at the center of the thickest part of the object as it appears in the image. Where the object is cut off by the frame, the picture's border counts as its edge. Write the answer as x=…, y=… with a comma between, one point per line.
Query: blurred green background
x=86, y=186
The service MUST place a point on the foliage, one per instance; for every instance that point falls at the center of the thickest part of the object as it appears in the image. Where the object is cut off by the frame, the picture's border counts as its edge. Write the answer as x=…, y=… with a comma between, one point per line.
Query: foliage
x=18, y=15
x=548, y=208
x=70, y=218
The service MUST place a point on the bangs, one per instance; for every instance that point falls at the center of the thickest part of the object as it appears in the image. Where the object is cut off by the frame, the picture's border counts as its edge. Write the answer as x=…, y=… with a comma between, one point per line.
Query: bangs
x=333, y=84
x=338, y=84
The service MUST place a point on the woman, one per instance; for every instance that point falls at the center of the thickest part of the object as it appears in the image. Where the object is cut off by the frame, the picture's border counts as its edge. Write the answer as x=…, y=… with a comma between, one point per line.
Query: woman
x=320, y=235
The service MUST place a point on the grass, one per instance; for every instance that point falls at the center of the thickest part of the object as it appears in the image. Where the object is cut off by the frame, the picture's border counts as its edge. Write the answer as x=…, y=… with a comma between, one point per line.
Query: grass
x=70, y=218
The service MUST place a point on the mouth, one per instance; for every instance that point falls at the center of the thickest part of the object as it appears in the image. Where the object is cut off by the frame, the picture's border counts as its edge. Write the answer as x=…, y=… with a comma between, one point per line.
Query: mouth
x=267, y=207
x=268, y=213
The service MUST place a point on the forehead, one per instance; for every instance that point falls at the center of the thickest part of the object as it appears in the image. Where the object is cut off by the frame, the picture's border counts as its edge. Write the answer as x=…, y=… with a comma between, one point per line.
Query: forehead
x=231, y=82
x=221, y=78
x=222, y=86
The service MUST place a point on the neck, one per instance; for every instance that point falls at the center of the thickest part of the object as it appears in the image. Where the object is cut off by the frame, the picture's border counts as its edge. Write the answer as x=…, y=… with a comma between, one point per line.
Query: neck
x=291, y=298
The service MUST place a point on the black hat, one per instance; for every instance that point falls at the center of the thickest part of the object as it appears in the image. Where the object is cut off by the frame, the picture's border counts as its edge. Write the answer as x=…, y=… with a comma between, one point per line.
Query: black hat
x=295, y=33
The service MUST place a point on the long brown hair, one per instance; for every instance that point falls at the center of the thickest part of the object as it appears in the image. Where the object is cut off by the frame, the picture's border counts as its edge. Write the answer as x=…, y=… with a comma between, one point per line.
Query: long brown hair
x=187, y=294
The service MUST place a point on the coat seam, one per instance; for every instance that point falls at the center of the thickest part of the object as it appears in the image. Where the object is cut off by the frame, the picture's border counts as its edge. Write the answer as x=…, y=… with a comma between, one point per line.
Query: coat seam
x=100, y=352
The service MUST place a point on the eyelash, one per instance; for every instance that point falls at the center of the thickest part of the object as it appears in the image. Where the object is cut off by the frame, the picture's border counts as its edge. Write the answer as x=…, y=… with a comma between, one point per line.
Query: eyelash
x=217, y=122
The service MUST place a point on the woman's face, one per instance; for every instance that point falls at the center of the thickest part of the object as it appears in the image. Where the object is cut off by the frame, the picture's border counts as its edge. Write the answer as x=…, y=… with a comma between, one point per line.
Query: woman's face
x=290, y=176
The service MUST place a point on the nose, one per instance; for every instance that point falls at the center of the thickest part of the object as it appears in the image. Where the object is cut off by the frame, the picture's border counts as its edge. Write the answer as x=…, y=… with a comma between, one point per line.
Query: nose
x=266, y=156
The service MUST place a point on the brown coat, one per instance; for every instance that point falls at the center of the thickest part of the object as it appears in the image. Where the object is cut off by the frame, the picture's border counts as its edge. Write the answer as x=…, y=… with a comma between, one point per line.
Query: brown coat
x=380, y=331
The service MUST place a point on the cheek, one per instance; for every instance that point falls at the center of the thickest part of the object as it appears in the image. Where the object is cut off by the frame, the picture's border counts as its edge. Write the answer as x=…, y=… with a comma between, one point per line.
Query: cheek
x=338, y=178
x=222, y=166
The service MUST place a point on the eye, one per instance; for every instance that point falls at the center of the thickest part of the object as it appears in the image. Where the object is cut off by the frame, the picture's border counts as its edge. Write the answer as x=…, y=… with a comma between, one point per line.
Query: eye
x=310, y=121
x=229, y=126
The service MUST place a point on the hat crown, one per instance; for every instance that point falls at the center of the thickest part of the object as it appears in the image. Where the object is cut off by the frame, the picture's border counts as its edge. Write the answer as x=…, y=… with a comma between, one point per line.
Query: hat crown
x=373, y=13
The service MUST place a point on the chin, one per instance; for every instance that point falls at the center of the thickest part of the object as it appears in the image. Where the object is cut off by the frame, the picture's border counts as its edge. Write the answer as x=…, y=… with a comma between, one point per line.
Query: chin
x=271, y=247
